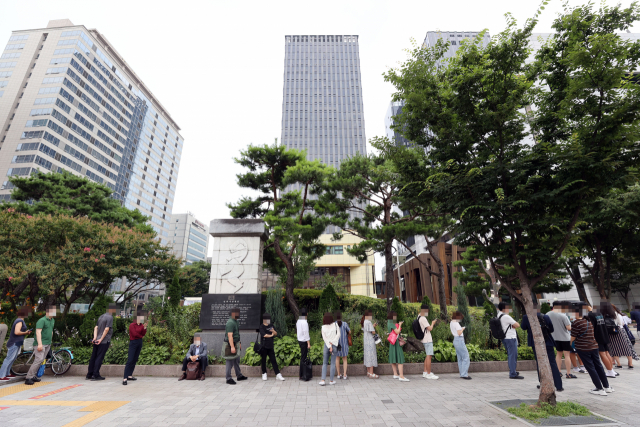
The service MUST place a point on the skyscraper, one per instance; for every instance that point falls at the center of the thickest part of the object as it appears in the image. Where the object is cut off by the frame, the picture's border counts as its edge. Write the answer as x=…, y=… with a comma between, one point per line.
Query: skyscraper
x=69, y=101
x=322, y=103
x=322, y=113
x=190, y=238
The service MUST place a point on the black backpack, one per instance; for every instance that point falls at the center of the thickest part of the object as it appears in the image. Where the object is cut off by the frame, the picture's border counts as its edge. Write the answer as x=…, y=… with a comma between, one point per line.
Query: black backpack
x=612, y=328
x=495, y=325
x=417, y=330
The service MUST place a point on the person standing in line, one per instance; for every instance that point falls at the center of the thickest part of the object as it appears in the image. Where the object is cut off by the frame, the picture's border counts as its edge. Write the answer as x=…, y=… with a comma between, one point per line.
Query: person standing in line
x=304, y=340
x=462, y=353
x=602, y=338
x=510, y=340
x=369, y=343
x=137, y=331
x=331, y=338
x=587, y=348
x=561, y=335
x=197, y=352
x=635, y=317
x=547, y=330
x=104, y=330
x=44, y=335
x=344, y=344
x=232, y=341
x=396, y=355
x=16, y=339
x=427, y=341
x=619, y=345
x=267, y=332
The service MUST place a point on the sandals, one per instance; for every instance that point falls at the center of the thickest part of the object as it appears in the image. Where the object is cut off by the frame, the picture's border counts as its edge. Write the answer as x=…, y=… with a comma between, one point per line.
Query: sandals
x=569, y=376
x=372, y=376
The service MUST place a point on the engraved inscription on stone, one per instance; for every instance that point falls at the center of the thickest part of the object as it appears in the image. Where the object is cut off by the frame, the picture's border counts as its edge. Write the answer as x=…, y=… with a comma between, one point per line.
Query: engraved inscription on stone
x=232, y=271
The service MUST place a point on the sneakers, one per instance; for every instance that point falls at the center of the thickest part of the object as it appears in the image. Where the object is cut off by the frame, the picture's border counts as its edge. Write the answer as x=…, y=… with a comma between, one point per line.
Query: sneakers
x=264, y=377
x=466, y=378
x=321, y=382
x=29, y=381
x=242, y=378
x=230, y=381
x=610, y=374
x=5, y=379
x=332, y=383
x=98, y=378
x=339, y=377
x=430, y=376
x=36, y=379
x=279, y=377
x=406, y=380
x=396, y=377
x=609, y=389
x=599, y=392
x=517, y=377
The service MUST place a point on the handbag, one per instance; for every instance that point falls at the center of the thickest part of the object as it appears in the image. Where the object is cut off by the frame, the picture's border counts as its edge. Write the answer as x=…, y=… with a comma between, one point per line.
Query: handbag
x=376, y=339
x=258, y=348
x=393, y=336
x=307, y=369
x=339, y=347
x=401, y=340
x=349, y=339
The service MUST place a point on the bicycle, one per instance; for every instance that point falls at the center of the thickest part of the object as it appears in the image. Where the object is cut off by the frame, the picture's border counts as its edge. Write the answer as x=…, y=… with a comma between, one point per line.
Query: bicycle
x=59, y=361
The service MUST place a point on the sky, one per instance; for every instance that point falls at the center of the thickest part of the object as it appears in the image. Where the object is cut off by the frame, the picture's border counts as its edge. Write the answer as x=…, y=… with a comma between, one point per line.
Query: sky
x=217, y=66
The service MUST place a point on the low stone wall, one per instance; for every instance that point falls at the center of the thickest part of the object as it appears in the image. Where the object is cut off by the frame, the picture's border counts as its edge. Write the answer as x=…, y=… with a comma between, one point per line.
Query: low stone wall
x=292, y=371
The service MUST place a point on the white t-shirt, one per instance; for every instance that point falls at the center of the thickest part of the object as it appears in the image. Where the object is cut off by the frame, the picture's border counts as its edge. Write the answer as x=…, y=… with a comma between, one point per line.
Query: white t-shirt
x=427, y=333
x=455, y=327
x=302, y=329
x=505, y=321
x=626, y=319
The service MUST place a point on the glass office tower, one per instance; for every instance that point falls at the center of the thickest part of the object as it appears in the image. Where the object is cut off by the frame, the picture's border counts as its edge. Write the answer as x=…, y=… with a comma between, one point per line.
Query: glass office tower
x=322, y=104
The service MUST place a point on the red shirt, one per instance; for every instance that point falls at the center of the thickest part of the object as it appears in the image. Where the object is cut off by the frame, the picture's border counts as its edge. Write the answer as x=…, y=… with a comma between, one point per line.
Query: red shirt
x=136, y=331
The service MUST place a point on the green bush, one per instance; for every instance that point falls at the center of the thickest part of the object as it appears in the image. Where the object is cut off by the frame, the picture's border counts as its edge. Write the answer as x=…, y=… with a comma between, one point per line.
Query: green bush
x=174, y=292
x=478, y=333
x=329, y=302
x=90, y=320
x=427, y=301
x=398, y=307
x=441, y=332
x=273, y=306
x=153, y=355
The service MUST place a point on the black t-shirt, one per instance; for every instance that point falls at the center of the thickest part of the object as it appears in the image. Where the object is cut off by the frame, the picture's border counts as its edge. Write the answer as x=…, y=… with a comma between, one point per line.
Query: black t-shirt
x=266, y=330
x=599, y=329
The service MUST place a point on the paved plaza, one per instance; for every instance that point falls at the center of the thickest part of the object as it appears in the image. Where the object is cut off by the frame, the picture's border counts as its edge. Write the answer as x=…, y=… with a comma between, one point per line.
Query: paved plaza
x=358, y=401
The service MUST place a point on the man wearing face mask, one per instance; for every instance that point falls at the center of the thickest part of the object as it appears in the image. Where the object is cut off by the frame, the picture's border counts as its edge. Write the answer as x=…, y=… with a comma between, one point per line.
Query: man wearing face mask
x=232, y=347
x=197, y=352
x=267, y=332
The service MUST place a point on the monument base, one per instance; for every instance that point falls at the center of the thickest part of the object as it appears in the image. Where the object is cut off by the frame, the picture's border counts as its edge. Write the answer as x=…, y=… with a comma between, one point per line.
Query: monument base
x=215, y=338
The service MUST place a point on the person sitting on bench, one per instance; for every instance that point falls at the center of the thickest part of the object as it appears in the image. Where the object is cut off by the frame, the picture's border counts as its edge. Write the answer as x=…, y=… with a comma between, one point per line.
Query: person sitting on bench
x=197, y=352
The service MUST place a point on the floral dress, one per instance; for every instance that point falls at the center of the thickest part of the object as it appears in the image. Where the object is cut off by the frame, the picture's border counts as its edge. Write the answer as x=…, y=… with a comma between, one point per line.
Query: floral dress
x=344, y=340
x=370, y=352
x=396, y=355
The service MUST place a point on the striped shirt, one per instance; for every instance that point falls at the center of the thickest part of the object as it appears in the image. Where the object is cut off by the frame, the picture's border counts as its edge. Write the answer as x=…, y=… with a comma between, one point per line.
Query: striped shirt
x=582, y=330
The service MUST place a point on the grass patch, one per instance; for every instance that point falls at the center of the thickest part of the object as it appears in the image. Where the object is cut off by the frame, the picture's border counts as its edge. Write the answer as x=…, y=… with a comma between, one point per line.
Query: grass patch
x=562, y=409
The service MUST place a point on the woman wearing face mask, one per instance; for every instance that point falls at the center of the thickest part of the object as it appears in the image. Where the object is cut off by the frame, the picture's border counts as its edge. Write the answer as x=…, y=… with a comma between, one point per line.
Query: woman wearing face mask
x=137, y=330
x=369, y=344
x=331, y=338
x=267, y=332
x=344, y=345
x=396, y=355
x=461, y=348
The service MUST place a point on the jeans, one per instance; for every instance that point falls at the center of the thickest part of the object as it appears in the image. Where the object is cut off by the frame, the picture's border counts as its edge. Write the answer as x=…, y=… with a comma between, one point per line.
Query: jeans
x=591, y=360
x=235, y=363
x=134, y=353
x=304, y=350
x=462, y=355
x=39, y=356
x=97, y=356
x=274, y=363
x=325, y=357
x=511, y=345
x=557, y=376
x=12, y=354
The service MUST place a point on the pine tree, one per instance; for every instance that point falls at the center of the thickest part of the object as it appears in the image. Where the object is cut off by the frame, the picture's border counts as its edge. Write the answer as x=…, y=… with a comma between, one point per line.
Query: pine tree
x=329, y=302
x=274, y=306
x=426, y=301
x=174, y=292
x=397, y=306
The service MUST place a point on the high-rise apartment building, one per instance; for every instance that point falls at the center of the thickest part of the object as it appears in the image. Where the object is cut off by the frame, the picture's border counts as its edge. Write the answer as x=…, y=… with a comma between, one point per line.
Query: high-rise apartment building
x=395, y=109
x=69, y=101
x=322, y=110
x=322, y=113
x=190, y=238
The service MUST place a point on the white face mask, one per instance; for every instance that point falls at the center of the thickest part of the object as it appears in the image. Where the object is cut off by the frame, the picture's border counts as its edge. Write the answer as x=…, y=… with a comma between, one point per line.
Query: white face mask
x=197, y=343
x=266, y=321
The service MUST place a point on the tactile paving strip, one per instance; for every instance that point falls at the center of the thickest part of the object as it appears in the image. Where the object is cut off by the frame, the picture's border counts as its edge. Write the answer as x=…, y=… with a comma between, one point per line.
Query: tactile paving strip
x=6, y=391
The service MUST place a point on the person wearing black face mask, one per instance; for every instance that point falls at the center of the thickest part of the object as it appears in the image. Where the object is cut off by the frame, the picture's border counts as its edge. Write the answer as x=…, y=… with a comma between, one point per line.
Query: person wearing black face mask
x=232, y=346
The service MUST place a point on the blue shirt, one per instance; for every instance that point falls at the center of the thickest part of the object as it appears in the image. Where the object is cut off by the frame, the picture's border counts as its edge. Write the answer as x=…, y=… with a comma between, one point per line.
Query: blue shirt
x=635, y=315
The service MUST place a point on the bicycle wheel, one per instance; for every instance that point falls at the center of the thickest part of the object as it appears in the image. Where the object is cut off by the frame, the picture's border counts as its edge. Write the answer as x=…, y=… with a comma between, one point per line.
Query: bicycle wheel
x=22, y=364
x=61, y=362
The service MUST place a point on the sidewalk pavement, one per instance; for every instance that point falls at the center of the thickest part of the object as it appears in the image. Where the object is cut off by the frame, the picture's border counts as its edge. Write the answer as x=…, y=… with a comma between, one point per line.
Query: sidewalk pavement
x=359, y=401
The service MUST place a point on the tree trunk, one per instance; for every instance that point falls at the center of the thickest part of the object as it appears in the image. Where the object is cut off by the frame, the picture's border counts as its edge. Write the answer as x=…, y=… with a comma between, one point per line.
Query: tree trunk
x=293, y=306
x=574, y=271
x=389, y=278
x=547, y=387
x=442, y=294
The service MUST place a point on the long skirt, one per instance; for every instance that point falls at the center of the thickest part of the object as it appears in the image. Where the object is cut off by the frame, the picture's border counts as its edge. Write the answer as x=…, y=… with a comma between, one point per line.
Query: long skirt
x=620, y=346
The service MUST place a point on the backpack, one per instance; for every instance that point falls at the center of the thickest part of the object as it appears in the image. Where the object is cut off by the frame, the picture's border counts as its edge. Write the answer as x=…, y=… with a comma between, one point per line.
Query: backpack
x=417, y=330
x=193, y=370
x=495, y=325
x=612, y=328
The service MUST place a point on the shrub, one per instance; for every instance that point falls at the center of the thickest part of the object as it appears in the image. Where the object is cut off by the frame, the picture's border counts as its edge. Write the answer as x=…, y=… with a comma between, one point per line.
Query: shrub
x=174, y=291
x=154, y=355
x=398, y=307
x=478, y=333
x=427, y=301
x=329, y=302
x=441, y=332
x=90, y=320
x=274, y=306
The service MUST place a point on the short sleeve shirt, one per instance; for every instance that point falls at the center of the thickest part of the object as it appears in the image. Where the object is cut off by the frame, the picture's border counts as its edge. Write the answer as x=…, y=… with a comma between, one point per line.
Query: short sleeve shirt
x=455, y=327
x=105, y=321
x=424, y=323
x=267, y=342
x=232, y=326
x=582, y=330
x=16, y=339
x=560, y=322
x=505, y=322
x=47, y=330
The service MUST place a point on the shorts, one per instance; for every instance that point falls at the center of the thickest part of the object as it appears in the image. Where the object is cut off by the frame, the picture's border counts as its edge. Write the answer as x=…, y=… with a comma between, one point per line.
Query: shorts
x=428, y=348
x=563, y=346
x=603, y=348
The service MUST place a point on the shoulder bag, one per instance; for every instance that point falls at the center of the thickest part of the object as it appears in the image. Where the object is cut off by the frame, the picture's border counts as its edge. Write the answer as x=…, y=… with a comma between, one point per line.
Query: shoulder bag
x=339, y=347
x=257, y=346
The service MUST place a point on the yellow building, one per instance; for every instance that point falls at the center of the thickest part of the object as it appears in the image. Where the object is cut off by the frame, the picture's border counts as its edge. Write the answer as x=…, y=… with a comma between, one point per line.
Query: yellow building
x=337, y=262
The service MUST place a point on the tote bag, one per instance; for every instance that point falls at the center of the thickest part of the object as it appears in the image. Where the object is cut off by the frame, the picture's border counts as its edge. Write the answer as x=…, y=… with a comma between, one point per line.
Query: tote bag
x=393, y=337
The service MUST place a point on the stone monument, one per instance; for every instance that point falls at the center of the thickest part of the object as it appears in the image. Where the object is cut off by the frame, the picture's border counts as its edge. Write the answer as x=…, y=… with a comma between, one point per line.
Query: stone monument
x=236, y=280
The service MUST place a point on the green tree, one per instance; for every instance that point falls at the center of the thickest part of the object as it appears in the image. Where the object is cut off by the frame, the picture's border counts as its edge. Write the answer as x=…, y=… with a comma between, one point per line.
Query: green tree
x=194, y=278
x=288, y=188
x=426, y=301
x=472, y=273
x=337, y=282
x=397, y=306
x=329, y=302
x=66, y=193
x=174, y=291
x=518, y=202
x=273, y=305
x=97, y=309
